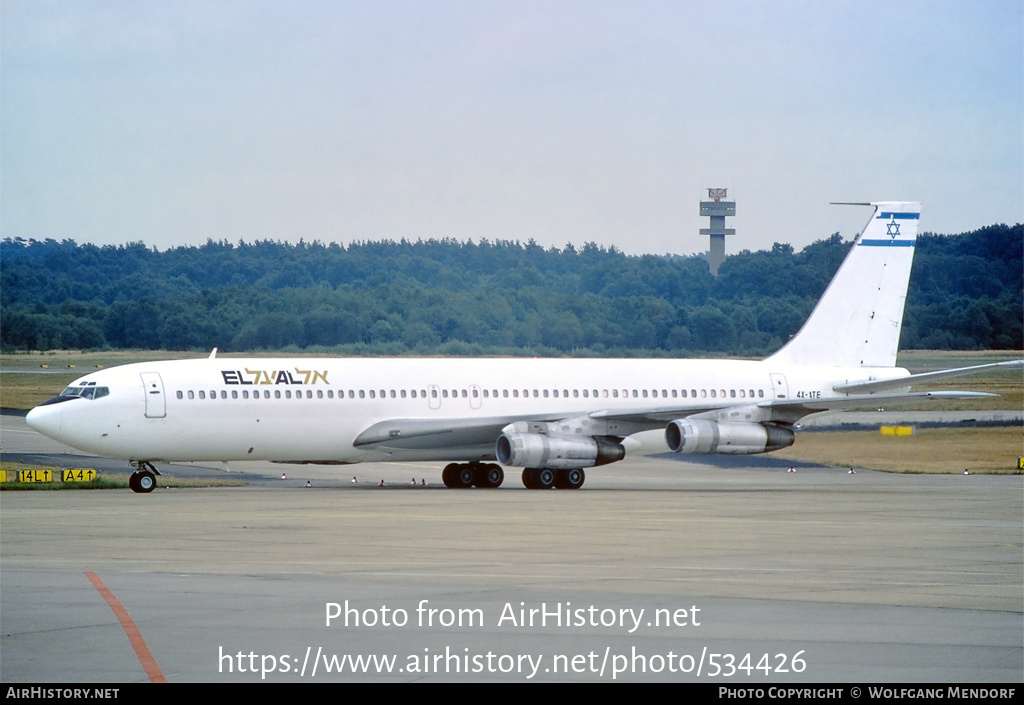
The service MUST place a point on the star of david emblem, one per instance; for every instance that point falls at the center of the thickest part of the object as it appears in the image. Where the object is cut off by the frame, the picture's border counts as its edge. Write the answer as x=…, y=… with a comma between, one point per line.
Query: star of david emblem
x=892, y=229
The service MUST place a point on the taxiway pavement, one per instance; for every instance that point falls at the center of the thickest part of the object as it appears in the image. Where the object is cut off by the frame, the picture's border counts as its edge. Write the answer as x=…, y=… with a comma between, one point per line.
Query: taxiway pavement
x=870, y=577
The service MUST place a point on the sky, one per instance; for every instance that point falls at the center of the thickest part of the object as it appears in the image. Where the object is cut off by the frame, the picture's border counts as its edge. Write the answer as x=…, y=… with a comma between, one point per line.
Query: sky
x=562, y=121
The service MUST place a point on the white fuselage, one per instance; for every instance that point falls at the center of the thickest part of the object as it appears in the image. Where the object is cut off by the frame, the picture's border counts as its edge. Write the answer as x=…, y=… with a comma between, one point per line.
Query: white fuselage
x=314, y=409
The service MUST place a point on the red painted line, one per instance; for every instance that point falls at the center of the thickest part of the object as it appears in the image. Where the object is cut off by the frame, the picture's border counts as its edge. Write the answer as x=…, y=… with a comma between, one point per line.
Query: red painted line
x=130, y=630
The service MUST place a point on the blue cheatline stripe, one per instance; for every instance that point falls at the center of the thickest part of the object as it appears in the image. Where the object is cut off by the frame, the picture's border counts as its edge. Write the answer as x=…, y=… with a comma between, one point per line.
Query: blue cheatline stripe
x=900, y=216
x=887, y=243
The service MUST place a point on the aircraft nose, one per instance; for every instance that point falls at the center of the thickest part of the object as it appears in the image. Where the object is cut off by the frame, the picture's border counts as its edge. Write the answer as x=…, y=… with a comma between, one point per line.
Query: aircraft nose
x=45, y=420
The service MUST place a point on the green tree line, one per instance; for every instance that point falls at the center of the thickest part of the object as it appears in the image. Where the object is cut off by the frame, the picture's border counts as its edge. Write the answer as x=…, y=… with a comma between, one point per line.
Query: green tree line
x=487, y=297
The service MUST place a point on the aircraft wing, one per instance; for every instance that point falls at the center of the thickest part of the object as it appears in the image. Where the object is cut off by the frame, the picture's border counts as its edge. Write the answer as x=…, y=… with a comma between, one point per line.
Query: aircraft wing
x=785, y=410
x=433, y=434
x=437, y=434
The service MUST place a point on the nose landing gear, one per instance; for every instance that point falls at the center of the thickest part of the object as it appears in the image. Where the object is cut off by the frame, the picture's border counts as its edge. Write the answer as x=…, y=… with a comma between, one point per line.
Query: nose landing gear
x=143, y=480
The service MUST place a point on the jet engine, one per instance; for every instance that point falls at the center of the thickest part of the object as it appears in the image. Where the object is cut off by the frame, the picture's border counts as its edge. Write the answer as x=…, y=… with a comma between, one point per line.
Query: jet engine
x=535, y=450
x=704, y=437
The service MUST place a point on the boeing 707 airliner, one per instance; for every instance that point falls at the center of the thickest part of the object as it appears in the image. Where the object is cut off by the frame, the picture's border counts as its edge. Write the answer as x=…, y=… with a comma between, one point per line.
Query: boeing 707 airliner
x=552, y=417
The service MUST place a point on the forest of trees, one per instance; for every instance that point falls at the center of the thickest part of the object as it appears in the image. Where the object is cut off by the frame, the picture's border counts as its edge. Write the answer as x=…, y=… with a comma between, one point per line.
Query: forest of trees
x=452, y=298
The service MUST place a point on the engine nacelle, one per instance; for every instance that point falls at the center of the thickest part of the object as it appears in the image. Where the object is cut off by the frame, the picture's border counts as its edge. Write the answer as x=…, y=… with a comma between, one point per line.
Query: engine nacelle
x=535, y=450
x=704, y=437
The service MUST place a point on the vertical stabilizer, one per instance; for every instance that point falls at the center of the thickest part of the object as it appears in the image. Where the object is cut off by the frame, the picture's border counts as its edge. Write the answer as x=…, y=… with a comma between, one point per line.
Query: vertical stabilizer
x=857, y=322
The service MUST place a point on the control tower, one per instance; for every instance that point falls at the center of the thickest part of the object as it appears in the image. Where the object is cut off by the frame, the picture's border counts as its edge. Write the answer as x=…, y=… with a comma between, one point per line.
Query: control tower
x=717, y=208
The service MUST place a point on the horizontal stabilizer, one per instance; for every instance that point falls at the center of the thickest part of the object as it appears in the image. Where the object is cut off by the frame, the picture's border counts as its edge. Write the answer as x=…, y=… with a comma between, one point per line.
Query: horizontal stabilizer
x=870, y=386
x=868, y=400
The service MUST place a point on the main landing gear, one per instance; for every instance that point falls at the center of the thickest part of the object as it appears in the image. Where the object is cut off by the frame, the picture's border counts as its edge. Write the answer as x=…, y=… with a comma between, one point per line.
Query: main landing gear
x=546, y=478
x=144, y=478
x=465, y=475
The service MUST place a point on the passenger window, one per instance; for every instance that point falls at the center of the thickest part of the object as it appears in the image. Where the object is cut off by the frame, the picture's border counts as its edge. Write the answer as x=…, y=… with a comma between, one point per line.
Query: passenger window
x=202, y=394
x=545, y=394
x=234, y=393
x=712, y=393
x=180, y=395
x=515, y=393
x=615, y=393
x=191, y=394
x=732, y=393
x=403, y=394
x=277, y=393
x=245, y=394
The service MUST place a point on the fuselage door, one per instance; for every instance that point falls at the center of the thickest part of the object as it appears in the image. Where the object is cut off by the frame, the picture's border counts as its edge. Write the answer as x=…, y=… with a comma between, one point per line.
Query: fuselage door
x=434, y=398
x=475, y=398
x=156, y=405
x=780, y=385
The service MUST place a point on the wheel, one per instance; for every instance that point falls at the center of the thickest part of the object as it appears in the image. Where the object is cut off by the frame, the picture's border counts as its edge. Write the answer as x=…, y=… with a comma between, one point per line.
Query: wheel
x=538, y=478
x=488, y=476
x=571, y=479
x=464, y=476
x=545, y=478
x=145, y=481
x=528, y=481
x=133, y=482
x=448, y=475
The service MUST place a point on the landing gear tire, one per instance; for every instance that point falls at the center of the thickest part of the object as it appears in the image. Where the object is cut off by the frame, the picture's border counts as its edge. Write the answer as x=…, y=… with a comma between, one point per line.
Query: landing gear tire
x=143, y=482
x=457, y=476
x=538, y=478
x=570, y=479
x=488, y=476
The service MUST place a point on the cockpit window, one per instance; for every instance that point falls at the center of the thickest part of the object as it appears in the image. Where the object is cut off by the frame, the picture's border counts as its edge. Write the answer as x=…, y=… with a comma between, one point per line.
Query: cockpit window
x=89, y=392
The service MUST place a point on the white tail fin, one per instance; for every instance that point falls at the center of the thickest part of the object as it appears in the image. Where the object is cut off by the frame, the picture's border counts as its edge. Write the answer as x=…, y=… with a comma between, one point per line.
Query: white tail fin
x=857, y=322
